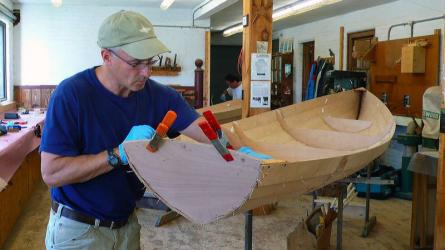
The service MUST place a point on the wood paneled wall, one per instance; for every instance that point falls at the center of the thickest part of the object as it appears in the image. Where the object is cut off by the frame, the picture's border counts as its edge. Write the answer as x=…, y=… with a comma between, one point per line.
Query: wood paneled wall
x=38, y=96
x=33, y=96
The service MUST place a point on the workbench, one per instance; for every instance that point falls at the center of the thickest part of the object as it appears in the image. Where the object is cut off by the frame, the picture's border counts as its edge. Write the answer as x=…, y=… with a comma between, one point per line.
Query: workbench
x=424, y=167
x=20, y=171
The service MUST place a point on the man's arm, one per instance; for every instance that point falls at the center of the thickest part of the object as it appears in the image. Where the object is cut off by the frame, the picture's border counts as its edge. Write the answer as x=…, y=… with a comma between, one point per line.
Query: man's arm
x=63, y=170
x=194, y=131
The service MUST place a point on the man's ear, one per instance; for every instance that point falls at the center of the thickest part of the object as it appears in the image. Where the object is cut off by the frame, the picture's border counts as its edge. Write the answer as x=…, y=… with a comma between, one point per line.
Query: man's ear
x=106, y=56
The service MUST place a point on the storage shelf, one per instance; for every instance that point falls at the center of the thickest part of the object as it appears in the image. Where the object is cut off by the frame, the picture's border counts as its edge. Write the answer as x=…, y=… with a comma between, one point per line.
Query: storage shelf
x=165, y=71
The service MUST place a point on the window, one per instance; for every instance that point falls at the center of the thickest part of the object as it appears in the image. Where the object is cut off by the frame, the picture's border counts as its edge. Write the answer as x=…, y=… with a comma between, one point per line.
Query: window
x=3, y=84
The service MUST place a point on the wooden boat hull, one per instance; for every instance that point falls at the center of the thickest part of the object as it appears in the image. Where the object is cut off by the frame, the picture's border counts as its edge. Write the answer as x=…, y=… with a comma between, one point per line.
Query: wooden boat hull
x=225, y=112
x=312, y=144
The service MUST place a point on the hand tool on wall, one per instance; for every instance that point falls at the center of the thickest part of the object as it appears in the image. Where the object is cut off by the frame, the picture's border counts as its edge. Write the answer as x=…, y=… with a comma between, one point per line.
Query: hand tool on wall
x=161, y=131
x=213, y=137
x=211, y=119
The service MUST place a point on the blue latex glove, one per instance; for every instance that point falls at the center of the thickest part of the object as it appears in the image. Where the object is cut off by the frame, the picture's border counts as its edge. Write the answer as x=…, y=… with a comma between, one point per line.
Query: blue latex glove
x=249, y=151
x=140, y=132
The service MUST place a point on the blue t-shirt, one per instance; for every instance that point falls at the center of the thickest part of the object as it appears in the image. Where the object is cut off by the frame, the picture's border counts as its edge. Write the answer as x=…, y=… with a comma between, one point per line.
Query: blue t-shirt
x=85, y=118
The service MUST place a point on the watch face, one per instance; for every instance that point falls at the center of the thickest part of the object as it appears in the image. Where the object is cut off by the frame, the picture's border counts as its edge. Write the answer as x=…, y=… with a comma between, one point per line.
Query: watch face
x=112, y=159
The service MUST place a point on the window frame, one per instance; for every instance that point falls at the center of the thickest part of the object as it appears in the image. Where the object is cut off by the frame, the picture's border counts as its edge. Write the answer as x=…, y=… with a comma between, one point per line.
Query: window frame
x=4, y=85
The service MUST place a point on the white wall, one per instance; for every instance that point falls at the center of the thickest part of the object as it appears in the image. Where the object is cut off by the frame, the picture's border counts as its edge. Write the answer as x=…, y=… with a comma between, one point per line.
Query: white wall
x=51, y=44
x=326, y=32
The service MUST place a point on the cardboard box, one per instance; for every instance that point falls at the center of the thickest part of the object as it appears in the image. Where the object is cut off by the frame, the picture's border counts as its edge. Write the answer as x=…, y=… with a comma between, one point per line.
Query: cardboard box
x=413, y=59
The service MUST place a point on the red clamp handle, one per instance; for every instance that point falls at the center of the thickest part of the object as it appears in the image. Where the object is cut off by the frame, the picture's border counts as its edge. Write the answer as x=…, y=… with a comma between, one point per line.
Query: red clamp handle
x=208, y=131
x=212, y=120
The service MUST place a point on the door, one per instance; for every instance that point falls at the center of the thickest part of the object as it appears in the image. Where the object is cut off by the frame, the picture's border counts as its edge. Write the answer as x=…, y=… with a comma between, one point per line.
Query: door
x=308, y=59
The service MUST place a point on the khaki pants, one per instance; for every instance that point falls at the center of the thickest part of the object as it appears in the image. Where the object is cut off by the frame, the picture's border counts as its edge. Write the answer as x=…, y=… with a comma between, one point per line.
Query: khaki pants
x=64, y=233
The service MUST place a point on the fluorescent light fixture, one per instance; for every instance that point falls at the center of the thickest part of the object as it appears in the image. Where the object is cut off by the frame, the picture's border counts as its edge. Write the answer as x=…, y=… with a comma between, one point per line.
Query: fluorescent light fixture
x=300, y=7
x=286, y=11
x=166, y=3
x=237, y=28
x=56, y=3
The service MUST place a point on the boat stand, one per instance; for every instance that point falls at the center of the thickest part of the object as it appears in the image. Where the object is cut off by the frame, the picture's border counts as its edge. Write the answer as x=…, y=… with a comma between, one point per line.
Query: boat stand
x=248, y=230
x=369, y=221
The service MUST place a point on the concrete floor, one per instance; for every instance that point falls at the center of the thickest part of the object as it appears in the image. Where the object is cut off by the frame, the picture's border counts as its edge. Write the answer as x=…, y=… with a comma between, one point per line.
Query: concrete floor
x=269, y=232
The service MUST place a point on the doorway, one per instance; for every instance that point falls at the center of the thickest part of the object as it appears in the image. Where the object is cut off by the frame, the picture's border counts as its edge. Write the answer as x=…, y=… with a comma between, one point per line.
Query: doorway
x=308, y=60
x=223, y=61
x=353, y=63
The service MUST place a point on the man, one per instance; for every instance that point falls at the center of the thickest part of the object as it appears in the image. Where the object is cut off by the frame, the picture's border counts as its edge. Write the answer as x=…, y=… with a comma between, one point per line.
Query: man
x=90, y=115
x=235, y=89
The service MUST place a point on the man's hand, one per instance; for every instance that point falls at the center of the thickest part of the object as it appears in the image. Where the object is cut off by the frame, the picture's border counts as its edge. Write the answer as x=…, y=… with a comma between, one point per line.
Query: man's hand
x=140, y=132
x=249, y=151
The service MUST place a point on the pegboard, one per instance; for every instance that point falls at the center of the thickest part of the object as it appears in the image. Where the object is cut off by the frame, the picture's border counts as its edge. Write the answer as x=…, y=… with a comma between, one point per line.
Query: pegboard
x=386, y=76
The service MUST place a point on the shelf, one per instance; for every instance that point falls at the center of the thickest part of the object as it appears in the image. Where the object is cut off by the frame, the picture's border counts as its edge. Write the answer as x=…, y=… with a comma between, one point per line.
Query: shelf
x=165, y=71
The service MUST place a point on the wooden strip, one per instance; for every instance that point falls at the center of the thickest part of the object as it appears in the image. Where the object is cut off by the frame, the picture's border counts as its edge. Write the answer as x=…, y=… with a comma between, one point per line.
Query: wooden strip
x=207, y=69
x=342, y=41
x=439, y=239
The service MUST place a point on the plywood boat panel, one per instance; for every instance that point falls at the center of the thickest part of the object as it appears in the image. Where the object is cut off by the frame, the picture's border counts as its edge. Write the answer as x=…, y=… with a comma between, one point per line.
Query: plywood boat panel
x=226, y=111
x=307, y=152
x=346, y=125
x=182, y=179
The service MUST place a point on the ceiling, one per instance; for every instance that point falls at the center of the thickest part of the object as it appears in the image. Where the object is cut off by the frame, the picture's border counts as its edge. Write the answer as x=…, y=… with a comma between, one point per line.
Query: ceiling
x=232, y=14
x=178, y=4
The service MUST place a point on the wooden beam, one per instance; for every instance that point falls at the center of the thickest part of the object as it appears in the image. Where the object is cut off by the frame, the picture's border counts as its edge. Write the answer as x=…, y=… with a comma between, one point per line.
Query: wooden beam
x=206, y=90
x=259, y=28
x=342, y=41
x=439, y=239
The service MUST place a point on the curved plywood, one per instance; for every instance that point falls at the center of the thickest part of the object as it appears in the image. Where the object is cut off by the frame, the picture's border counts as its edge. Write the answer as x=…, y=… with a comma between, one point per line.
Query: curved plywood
x=225, y=112
x=312, y=144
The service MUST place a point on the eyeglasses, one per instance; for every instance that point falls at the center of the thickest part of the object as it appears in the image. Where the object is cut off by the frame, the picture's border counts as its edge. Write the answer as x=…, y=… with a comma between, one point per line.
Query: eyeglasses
x=136, y=63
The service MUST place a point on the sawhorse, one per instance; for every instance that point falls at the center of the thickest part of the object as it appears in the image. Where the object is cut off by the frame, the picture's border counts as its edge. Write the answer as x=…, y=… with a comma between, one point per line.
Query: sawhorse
x=369, y=221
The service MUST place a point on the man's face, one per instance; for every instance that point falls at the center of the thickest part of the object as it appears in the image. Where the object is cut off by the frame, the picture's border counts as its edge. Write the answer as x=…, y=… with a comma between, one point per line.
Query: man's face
x=232, y=84
x=129, y=72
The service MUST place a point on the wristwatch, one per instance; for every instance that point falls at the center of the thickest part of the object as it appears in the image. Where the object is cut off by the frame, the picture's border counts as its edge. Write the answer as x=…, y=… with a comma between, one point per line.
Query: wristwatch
x=113, y=159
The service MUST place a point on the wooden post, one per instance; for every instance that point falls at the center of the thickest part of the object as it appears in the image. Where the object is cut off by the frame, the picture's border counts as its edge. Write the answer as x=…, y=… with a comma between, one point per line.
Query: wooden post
x=206, y=92
x=199, y=75
x=439, y=233
x=342, y=41
x=259, y=28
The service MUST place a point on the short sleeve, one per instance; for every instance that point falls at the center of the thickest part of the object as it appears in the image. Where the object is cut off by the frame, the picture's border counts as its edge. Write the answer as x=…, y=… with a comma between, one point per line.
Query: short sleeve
x=60, y=133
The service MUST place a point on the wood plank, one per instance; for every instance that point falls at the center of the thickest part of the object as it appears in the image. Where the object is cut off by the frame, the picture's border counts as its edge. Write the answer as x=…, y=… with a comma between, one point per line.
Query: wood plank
x=439, y=239
x=46, y=94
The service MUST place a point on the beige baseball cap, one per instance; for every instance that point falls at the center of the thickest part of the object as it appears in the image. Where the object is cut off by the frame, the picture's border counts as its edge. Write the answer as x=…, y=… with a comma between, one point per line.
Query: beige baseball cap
x=133, y=33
